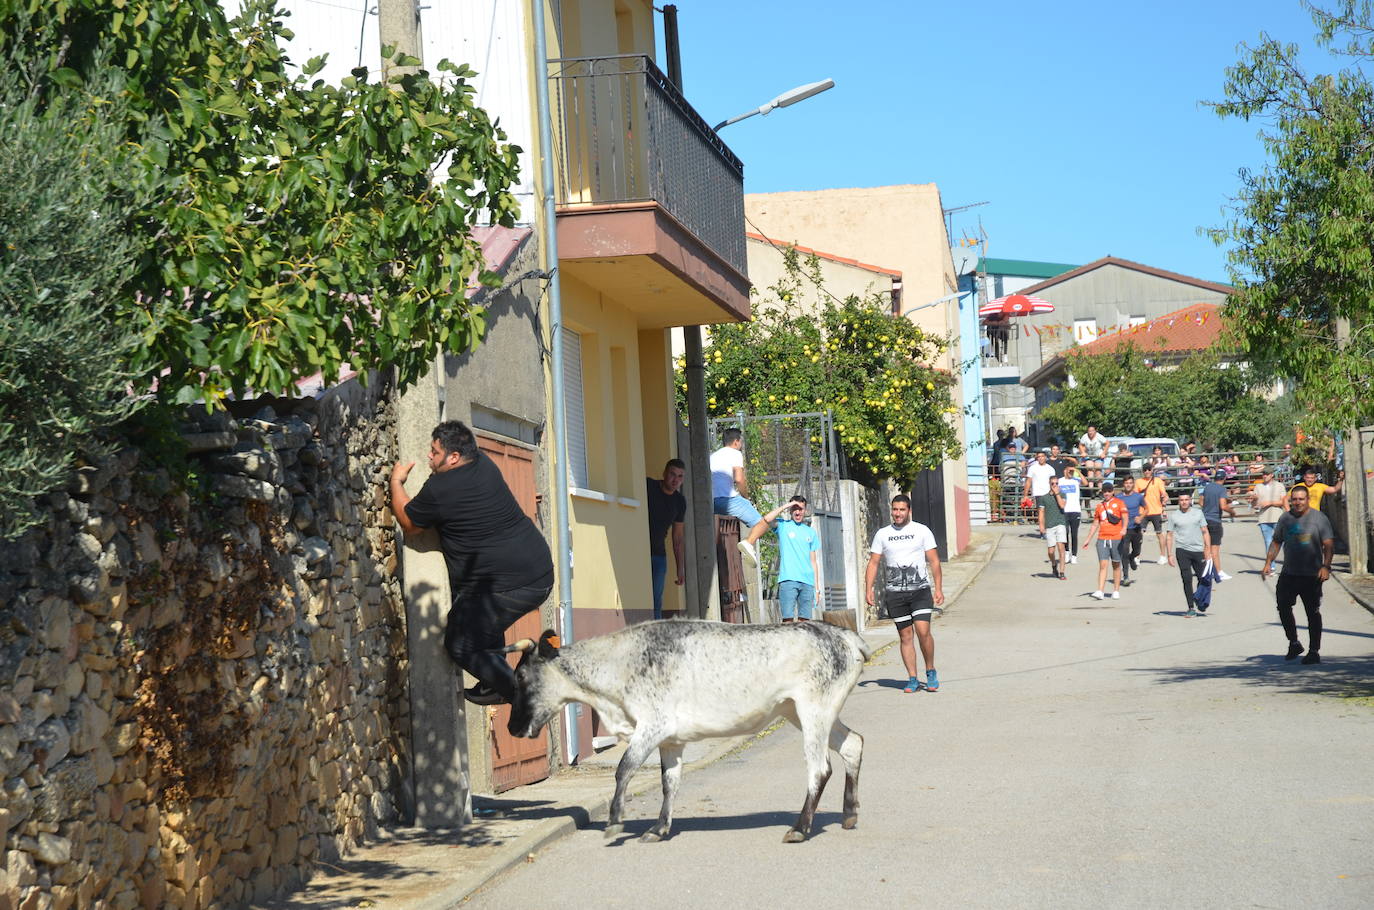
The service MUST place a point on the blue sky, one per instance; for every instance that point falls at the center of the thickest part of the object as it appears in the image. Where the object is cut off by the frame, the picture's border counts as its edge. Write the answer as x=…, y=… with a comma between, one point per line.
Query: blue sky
x=1080, y=123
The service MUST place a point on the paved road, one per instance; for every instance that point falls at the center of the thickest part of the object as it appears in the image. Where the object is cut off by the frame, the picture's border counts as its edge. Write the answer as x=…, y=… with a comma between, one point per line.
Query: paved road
x=1080, y=754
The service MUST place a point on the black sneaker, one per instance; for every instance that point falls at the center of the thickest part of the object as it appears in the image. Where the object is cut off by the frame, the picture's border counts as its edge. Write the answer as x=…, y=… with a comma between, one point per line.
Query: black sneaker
x=483, y=694
x=1312, y=658
x=1294, y=649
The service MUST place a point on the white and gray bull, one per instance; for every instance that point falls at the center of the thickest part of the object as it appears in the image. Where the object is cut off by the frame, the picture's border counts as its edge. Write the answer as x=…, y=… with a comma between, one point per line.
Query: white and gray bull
x=663, y=684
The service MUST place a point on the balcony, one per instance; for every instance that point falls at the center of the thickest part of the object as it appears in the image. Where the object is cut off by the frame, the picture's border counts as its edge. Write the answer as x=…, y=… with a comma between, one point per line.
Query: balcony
x=650, y=200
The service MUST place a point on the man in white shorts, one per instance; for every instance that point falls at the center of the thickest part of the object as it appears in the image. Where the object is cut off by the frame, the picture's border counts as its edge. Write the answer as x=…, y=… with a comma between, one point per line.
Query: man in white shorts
x=913, y=587
x=1054, y=527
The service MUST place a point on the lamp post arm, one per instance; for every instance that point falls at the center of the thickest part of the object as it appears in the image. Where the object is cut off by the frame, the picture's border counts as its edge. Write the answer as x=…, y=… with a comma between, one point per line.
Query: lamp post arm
x=737, y=119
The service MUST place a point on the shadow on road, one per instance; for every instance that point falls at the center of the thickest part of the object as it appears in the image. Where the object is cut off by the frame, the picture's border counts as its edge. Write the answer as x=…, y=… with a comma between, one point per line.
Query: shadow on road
x=883, y=683
x=1338, y=677
x=780, y=820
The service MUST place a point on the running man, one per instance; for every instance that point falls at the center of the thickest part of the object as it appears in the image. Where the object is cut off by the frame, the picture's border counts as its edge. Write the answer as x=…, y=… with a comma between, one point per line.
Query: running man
x=1188, y=546
x=1054, y=527
x=1071, y=485
x=1038, y=476
x=913, y=587
x=1156, y=497
x=1134, y=501
x=1214, y=502
x=1109, y=525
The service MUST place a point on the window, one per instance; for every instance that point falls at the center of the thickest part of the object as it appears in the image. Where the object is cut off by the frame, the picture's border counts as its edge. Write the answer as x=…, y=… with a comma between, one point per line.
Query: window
x=1084, y=330
x=575, y=412
x=1135, y=321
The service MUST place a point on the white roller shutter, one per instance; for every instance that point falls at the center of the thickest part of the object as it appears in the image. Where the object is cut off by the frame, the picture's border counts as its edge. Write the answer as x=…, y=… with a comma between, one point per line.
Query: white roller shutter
x=575, y=414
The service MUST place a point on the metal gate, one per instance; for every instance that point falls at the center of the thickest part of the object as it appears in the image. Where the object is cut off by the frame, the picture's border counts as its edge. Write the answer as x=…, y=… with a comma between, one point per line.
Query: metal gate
x=788, y=455
x=830, y=527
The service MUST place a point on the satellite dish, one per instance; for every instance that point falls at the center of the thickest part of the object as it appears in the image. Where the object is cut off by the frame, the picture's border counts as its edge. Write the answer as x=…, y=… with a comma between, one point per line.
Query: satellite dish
x=965, y=259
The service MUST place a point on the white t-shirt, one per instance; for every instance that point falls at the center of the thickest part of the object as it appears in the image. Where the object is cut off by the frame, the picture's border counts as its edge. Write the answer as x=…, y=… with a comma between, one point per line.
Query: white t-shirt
x=723, y=463
x=904, y=555
x=1095, y=446
x=1071, y=487
x=1039, y=476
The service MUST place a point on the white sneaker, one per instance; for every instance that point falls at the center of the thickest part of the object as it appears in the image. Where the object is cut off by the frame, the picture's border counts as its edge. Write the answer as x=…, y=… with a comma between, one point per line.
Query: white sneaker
x=1098, y=595
x=1222, y=576
x=748, y=552
x=1071, y=558
x=1163, y=560
x=1116, y=595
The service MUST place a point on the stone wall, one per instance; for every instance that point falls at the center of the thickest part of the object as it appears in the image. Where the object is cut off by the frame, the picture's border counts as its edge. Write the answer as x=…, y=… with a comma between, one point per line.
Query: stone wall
x=203, y=694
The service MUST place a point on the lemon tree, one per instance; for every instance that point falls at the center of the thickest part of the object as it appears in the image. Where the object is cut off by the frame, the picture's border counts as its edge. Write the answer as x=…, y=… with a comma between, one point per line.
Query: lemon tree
x=894, y=410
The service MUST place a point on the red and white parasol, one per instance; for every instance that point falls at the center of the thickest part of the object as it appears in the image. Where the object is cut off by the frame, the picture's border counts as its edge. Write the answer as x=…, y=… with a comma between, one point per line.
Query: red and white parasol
x=1014, y=305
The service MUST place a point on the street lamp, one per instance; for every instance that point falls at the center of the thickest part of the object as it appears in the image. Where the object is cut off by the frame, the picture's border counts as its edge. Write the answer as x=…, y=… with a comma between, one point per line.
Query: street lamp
x=800, y=93
x=944, y=299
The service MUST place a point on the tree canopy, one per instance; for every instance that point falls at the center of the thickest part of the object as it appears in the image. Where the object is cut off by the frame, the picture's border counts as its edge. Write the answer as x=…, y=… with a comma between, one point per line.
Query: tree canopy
x=302, y=227
x=1200, y=401
x=1301, y=234
x=893, y=411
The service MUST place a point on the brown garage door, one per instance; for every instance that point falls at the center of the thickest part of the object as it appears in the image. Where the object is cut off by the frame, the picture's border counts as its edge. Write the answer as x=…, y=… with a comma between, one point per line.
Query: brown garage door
x=515, y=761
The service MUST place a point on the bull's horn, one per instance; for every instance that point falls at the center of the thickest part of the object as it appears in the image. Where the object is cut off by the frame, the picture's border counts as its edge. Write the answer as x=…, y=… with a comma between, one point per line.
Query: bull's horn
x=523, y=644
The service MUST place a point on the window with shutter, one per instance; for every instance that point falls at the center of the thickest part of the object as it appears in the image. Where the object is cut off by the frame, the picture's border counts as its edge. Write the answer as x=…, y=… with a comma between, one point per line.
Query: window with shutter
x=575, y=413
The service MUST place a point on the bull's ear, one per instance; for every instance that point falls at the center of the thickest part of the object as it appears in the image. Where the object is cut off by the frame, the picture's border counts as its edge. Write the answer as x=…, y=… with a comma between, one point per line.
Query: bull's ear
x=549, y=644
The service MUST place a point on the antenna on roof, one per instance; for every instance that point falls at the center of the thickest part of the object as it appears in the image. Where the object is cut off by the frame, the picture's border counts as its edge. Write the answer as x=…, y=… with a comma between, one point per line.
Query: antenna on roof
x=949, y=222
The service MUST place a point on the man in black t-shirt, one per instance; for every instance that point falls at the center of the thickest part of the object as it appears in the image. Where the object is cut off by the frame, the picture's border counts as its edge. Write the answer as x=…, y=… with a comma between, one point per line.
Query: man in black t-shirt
x=667, y=509
x=499, y=565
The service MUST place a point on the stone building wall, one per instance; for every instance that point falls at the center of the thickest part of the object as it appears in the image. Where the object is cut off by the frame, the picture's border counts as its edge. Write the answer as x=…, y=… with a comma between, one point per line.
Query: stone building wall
x=203, y=695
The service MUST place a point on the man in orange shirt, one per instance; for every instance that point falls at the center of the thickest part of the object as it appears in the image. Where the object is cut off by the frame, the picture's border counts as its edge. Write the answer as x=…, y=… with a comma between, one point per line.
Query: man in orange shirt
x=1152, y=512
x=1109, y=524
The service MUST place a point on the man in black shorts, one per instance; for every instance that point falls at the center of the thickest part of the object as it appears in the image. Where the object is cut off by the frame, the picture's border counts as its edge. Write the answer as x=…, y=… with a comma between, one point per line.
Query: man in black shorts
x=1214, y=502
x=499, y=565
x=912, y=587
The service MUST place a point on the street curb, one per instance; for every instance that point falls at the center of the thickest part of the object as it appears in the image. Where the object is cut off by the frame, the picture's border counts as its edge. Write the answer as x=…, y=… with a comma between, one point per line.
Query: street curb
x=1355, y=595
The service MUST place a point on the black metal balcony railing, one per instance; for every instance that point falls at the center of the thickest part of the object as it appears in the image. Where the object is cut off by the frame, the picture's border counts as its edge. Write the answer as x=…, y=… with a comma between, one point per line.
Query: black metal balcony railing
x=624, y=133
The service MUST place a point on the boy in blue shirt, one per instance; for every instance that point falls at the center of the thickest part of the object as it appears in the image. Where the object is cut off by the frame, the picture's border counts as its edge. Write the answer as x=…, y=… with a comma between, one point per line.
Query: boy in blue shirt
x=1130, y=547
x=799, y=563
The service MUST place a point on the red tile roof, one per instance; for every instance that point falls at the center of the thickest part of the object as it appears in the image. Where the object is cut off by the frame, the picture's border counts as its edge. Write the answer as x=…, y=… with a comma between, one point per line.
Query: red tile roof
x=1193, y=328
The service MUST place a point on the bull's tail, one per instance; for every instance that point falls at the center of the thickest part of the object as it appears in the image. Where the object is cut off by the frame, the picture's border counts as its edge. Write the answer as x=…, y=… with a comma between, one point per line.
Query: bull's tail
x=861, y=644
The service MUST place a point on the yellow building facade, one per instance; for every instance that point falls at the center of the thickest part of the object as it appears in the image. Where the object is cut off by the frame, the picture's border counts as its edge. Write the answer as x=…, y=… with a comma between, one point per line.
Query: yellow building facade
x=650, y=235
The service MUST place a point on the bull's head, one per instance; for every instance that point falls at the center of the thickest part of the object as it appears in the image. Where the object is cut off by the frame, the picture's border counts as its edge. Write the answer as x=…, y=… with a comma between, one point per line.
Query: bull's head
x=535, y=701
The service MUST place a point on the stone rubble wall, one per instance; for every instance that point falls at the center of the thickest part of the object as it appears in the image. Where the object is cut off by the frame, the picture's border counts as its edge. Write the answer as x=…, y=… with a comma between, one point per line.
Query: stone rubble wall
x=202, y=696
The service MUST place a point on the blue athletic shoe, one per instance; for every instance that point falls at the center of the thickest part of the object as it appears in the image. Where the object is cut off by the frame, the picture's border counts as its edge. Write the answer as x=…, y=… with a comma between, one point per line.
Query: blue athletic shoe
x=913, y=685
x=932, y=681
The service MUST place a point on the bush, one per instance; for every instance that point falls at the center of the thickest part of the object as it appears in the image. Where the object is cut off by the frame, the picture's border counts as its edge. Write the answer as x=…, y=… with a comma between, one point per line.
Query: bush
x=63, y=219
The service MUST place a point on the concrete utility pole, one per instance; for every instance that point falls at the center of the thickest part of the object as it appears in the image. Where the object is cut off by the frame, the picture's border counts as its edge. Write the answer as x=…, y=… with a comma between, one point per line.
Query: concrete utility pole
x=699, y=444
x=1356, y=493
x=441, y=788
x=398, y=24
